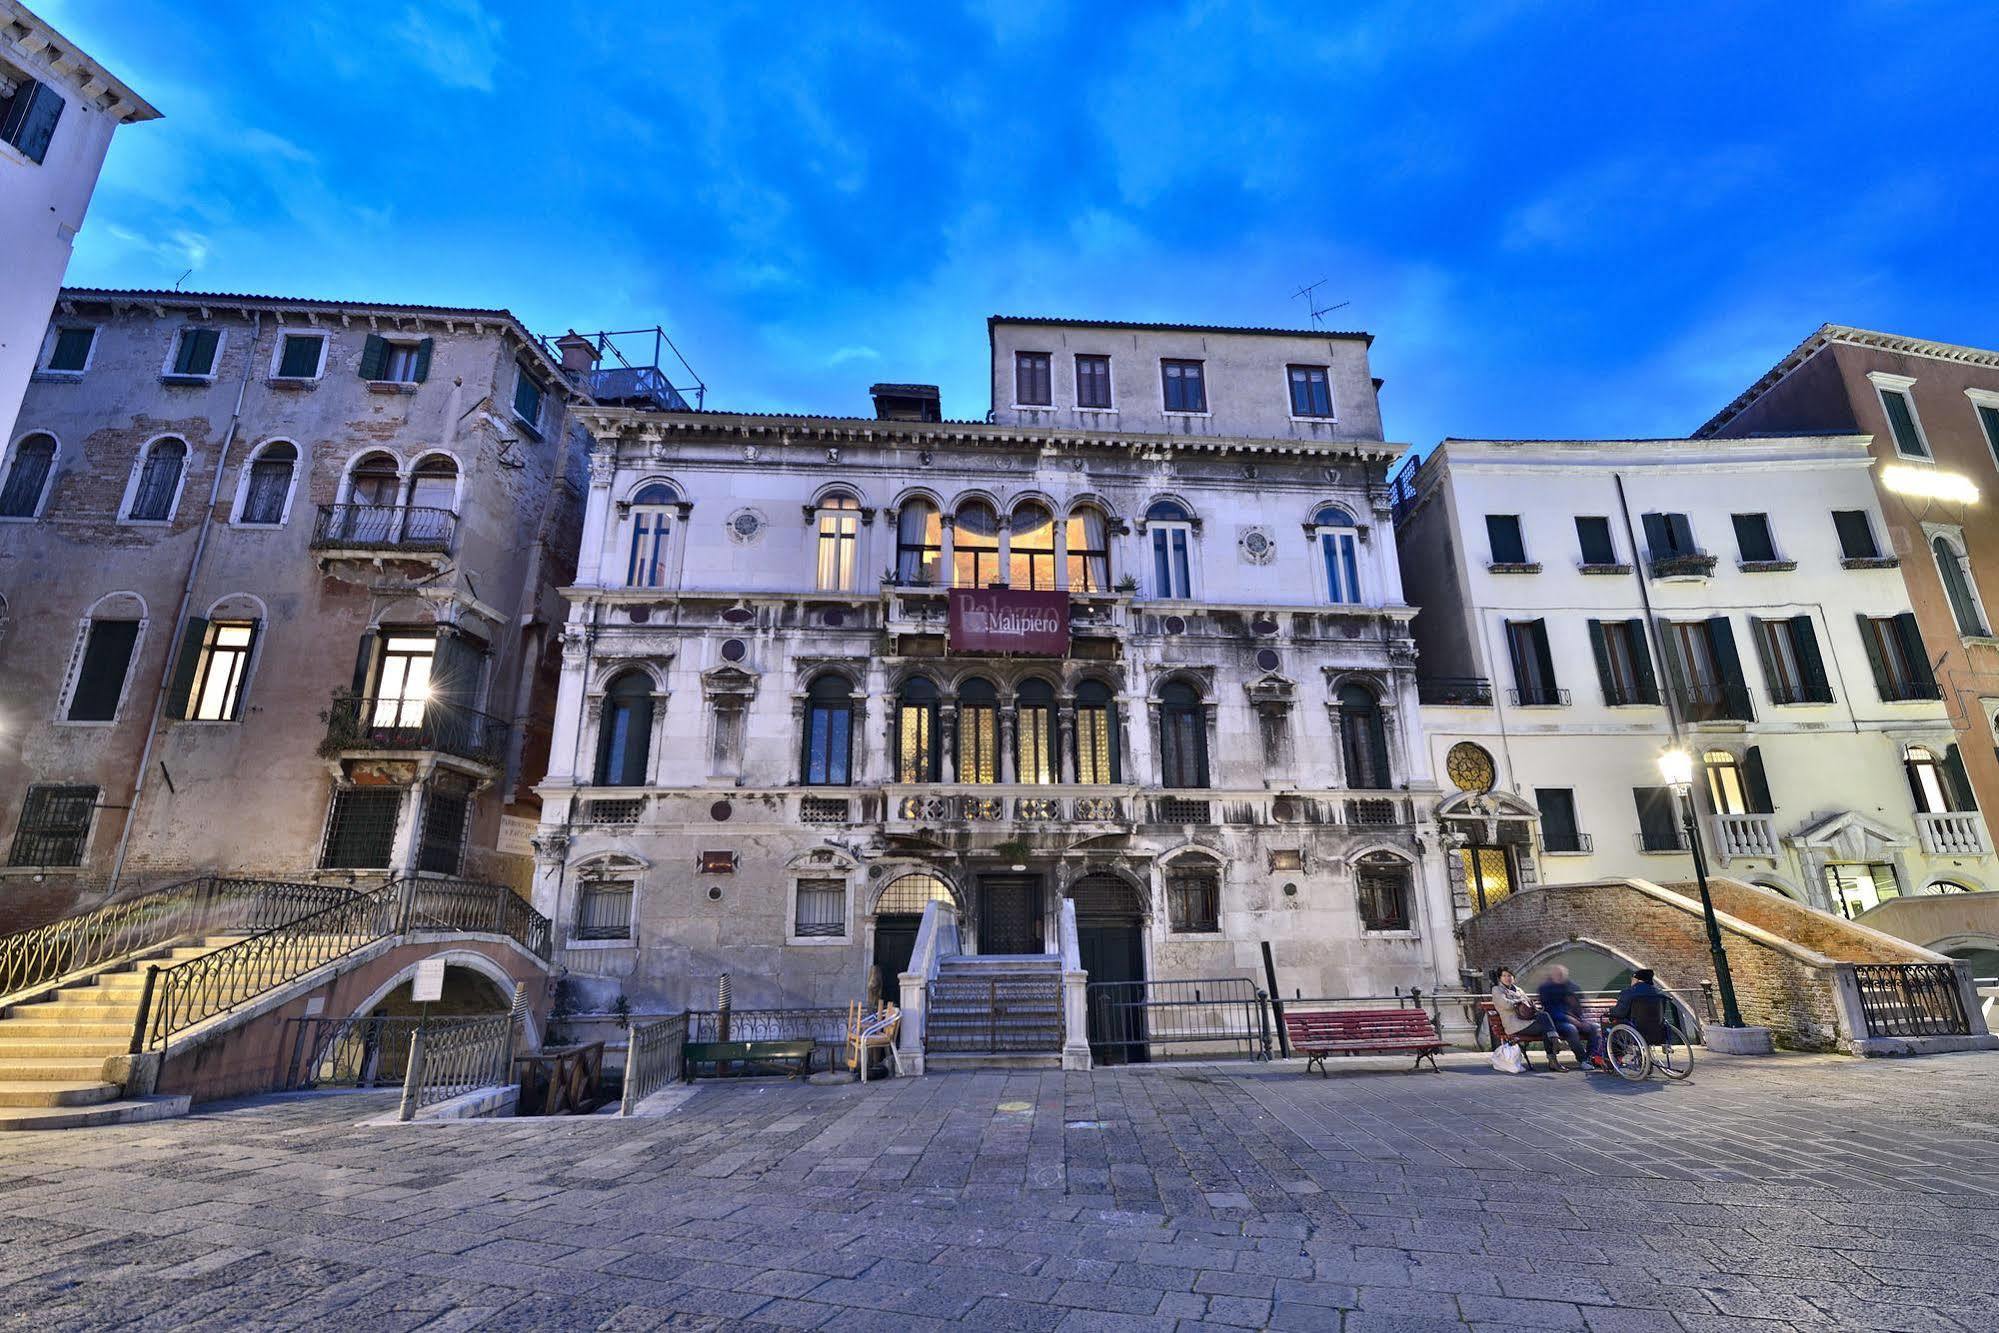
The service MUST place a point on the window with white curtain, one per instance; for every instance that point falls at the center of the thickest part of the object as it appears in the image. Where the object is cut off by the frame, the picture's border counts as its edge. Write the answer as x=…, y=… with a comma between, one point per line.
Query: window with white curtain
x=919, y=542
x=1337, y=537
x=1171, y=529
x=1089, y=555
x=839, y=542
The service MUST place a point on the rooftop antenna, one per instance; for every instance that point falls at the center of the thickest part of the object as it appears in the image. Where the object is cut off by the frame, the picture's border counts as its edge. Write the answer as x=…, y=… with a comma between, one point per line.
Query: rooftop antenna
x=182, y=278
x=1309, y=294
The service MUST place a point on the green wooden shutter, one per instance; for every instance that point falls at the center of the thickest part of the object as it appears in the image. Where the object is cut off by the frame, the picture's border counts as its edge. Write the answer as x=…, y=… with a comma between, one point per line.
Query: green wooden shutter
x=1729, y=664
x=1676, y=670
x=1641, y=659
x=1759, y=634
x=423, y=359
x=1602, y=651
x=364, y=662
x=1957, y=785
x=179, y=690
x=1805, y=640
x=373, y=353
x=1869, y=641
x=1658, y=541
x=1919, y=656
x=1548, y=682
x=1756, y=782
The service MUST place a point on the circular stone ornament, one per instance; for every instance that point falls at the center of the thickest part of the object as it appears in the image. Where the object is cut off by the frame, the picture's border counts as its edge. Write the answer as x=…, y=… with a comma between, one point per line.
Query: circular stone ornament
x=747, y=525
x=1470, y=767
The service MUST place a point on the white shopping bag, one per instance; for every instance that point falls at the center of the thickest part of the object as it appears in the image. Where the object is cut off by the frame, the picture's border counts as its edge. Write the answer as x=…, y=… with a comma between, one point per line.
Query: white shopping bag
x=1509, y=1058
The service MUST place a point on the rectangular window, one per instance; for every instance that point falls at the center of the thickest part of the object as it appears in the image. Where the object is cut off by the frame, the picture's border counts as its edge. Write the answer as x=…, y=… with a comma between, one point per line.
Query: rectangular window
x=1559, y=832
x=1093, y=381
x=1988, y=417
x=1383, y=895
x=1093, y=745
x=71, y=351
x=403, y=680
x=1706, y=670
x=604, y=909
x=1669, y=535
x=55, y=825
x=1338, y=551
x=1311, y=392
x=361, y=829
x=1503, y=532
x=1753, y=542
x=1658, y=820
x=1031, y=386
x=447, y=811
x=1170, y=569
x=1533, y=668
x=1900, y=661
x=1193, y=903
x=527, y=397
x=1034, y=727
x=822, y=909
x=978, y=743
x=194, y=355
x=100, y=676
x=1593, y=535
x=718, y=863
x=1623, y=662
x=1792, y=666
x=395, y=362
x=215, y=689
x=1184, y=388
x=299, y=359
x=28, y=117
x=1856, y=535
x=1902, y=423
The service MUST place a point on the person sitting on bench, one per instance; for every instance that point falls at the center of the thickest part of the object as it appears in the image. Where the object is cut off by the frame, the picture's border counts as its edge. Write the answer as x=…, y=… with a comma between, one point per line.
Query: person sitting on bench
x=1562, y=1002
x=1517, y=1014
x=1644, y=1005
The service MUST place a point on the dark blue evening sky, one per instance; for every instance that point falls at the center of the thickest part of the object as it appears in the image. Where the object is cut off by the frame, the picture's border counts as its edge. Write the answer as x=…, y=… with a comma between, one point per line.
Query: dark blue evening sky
x=1556, y=219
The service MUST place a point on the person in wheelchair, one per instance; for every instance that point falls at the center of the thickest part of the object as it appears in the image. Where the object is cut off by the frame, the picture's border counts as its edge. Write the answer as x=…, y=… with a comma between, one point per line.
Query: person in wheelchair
x=1646, y=1007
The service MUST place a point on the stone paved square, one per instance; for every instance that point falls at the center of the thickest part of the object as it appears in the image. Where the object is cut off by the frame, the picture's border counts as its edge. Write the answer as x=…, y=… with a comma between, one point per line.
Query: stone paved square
x=1797, y=1192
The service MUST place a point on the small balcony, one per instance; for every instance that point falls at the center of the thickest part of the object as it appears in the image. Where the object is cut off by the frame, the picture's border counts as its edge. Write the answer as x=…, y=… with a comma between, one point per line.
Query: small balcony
x=402, y=726
x=1538, y=696
x=1683, y=565
x=1454, y=691
x=376, y=530
x=1957, y=833
x=1715, y=702
x=1745, y=835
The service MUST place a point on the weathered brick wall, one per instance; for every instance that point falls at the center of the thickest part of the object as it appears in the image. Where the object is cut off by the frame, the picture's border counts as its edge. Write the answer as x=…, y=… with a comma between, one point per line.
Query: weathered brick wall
x=1821, y=932
x=1791, y=996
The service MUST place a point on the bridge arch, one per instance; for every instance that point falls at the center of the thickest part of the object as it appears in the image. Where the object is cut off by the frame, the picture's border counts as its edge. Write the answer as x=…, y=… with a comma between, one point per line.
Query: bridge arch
x=462, y=960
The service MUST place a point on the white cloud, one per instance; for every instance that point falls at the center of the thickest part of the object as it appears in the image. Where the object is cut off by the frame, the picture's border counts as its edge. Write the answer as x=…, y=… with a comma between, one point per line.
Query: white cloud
x=853, y=353
x=456, y=40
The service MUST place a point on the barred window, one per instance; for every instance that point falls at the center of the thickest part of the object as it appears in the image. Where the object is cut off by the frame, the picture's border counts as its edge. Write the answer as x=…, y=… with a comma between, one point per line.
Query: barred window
x=1096, y=746
x=1383, y=889
x=1193, y=902
x=447, y=810
x=55, y=824
x=361, y=830
x=822, y=908
x=978, y=732
x=159, y=482
x=604, y=909
x=1034, y=731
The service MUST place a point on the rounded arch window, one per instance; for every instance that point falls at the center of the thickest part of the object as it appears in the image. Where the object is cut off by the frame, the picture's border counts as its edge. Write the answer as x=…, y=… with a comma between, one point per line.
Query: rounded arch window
x=978, y=731
x=1034, y=732
x=27, y=477
x=975, y=545
x=432, y=502
x=1338, y=540
x=1096, y=733
x=1725, y=788
x=1031, y=548
x=1089, y=550
x=829, y=731
x=1167, y=511
x=1170, y=529
x=1193, y=895
x=1937, y=782
x=908, y=895
x=270, y=484
x=651, y=519
x=1183, y=736
x=1102, y=895
x=1363, y=738
x=1382, y=892
x=839, y=520
x=655, y=493
x=624, y=733
x=159, y=481
x=1332, y=516
x=374, y=481
x=918, y=745
x=919, y=541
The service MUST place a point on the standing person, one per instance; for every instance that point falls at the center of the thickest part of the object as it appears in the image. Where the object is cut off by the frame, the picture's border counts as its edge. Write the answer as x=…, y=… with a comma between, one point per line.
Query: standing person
x=1517, y=1014
x=1561, y=1001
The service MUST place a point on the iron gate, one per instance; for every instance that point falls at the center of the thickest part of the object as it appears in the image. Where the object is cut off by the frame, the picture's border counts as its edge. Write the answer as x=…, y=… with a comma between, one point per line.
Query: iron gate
x=993, y=1015
x=1911, y=1000
x=1135, y=1020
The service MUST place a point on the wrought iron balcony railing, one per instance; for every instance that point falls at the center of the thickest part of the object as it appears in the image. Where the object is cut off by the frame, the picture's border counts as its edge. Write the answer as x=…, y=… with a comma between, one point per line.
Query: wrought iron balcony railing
x=1715, y=702
x=1683, y=565
x=1538, y=696
x=358, y=527
x=1454, y=691
x=359, y=723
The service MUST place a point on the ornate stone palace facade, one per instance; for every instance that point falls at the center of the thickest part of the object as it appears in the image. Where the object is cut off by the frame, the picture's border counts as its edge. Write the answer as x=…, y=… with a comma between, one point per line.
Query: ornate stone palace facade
x=1138, y=641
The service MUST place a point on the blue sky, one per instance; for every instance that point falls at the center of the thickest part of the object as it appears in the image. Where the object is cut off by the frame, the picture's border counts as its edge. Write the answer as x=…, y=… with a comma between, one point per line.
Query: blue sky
x=1556, y=219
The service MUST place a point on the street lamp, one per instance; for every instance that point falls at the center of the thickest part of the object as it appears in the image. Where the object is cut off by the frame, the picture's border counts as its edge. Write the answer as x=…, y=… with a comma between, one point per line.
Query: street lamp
x=1676, y=766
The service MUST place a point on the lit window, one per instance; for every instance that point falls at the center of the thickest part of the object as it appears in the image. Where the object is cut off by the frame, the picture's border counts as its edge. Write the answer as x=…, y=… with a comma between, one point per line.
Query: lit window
x=839, y=540
x=978, y=732
x=1034, y=729
x=975, y=546
x=1031, y=549
x=919, y=542
x=917, y=741
x=215, y=656
x=1096, y=733
x=1089, y=552
x=402, y=680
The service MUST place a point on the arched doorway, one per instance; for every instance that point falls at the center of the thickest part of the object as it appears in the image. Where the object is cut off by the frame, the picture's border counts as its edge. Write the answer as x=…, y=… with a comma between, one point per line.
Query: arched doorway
x=898, y=916
x=1110, y=935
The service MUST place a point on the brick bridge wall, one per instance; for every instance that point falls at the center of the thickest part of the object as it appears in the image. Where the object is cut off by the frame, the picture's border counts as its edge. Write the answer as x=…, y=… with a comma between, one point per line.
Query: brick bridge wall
x=252, y=1055
x=1789, y=990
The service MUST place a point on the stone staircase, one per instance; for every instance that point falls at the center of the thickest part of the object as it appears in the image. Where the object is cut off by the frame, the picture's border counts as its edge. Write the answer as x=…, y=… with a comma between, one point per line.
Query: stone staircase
x=995, y=1011
x=53, y=1047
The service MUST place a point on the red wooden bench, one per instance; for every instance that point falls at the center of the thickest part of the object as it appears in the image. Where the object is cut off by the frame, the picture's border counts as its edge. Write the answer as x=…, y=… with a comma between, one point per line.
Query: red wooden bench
x=1496, y=1030
x=1362, y=1032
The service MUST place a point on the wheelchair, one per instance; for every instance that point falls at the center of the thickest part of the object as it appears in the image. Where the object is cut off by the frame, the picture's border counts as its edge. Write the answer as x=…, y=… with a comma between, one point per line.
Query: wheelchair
x=1637, y=1048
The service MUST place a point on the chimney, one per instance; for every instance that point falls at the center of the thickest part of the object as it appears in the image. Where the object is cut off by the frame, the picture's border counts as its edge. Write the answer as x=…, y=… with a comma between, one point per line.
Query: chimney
x=579, y=354
x=906, y=402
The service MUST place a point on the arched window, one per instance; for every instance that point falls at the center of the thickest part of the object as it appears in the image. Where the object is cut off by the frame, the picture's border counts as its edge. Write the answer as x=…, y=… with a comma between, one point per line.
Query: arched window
x=1183, y=737
x=1381, y=886
x=1034, y=732
x=624, y=734
x=1937, y=783
x=1089, y=551
x=908, y=895
x=978, y=731
x=1096, y=733
x=975, y=546
x=919, y=542
x=27, y=477
x=375, y=481
x=1172, y=531
x=918, y=744
x=159, y=482
x=433, y=498
x=270, y=484
x=1957, y=586
x=829, y=732
x=839, y=542
x=652, y=523
x=1363, y=738
x=1725, y=790
x=1338, y=537
x=1031, y=550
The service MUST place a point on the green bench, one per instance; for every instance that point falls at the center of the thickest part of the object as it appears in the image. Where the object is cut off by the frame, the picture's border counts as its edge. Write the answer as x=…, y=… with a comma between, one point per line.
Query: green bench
x=797, y=1053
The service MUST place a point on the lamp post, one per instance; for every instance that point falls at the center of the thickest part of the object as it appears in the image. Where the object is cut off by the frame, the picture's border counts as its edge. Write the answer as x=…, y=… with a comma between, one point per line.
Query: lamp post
x=1676, y=766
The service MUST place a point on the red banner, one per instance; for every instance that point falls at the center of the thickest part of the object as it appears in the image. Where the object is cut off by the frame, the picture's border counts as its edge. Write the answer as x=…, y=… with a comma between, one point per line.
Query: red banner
x=1005, y=620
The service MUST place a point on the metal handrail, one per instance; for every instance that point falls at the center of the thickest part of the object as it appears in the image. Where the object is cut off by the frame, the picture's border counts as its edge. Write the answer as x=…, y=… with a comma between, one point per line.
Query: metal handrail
x=366, y=527
x=433, y=903
x=357, y=723
x=652, y=1059
x=205, y=905
x=453, y=1056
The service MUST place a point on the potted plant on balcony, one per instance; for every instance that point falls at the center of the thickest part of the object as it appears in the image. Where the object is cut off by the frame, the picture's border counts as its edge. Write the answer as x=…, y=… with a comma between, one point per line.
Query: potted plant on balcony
x=1127, y=584
x=342, y=718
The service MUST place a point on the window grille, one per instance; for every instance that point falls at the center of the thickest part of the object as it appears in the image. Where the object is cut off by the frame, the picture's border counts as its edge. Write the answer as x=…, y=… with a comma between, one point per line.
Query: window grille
x=1193, y=902
x=822, y=909
x=447, y=812
x=55, y=824
x=822, y=810
x=361, y=830
x=617, y=811
x=908, y=894
x=604, y=910
x=270, y=483
x=1383, y=889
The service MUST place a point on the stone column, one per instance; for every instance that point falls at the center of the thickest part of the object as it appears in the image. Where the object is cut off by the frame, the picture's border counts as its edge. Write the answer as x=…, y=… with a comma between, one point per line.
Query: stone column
x=947, y=742
x=599, y=524
x=1062, y=554
x=1065, y=744
x=1006, y=551
x=1008, y=730
x=947, y=554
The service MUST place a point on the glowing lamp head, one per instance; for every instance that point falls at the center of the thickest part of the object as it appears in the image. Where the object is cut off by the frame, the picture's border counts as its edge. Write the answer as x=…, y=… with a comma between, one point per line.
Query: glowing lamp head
x=1929, y=483
x=1676, y=766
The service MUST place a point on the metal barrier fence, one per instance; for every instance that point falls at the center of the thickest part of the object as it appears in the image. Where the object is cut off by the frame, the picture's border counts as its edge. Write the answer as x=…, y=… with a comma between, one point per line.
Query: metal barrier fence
x=653, y=1059
x=454, y=1056
x=360, y=1052
x=1131, y=1021
x=827, y=1027
x=1911, y=1000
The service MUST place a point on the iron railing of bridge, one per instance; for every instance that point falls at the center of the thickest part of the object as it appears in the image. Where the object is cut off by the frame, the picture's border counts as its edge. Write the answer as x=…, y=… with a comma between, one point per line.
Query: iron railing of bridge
x=1911, y=1000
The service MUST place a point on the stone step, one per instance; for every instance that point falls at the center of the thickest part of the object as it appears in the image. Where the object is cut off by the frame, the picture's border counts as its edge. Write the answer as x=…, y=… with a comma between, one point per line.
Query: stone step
x=51, y=1092
x=88, y=997
x=82, y=1069
x=58, y=1048
x=999, y=962
x=942, y=1062
x=131, y=1112
x=35, y=1026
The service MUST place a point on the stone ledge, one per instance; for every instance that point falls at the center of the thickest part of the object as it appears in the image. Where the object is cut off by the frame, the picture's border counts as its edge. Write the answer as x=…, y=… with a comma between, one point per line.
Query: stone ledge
x=1737, y=1041
x=1875, y=1048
